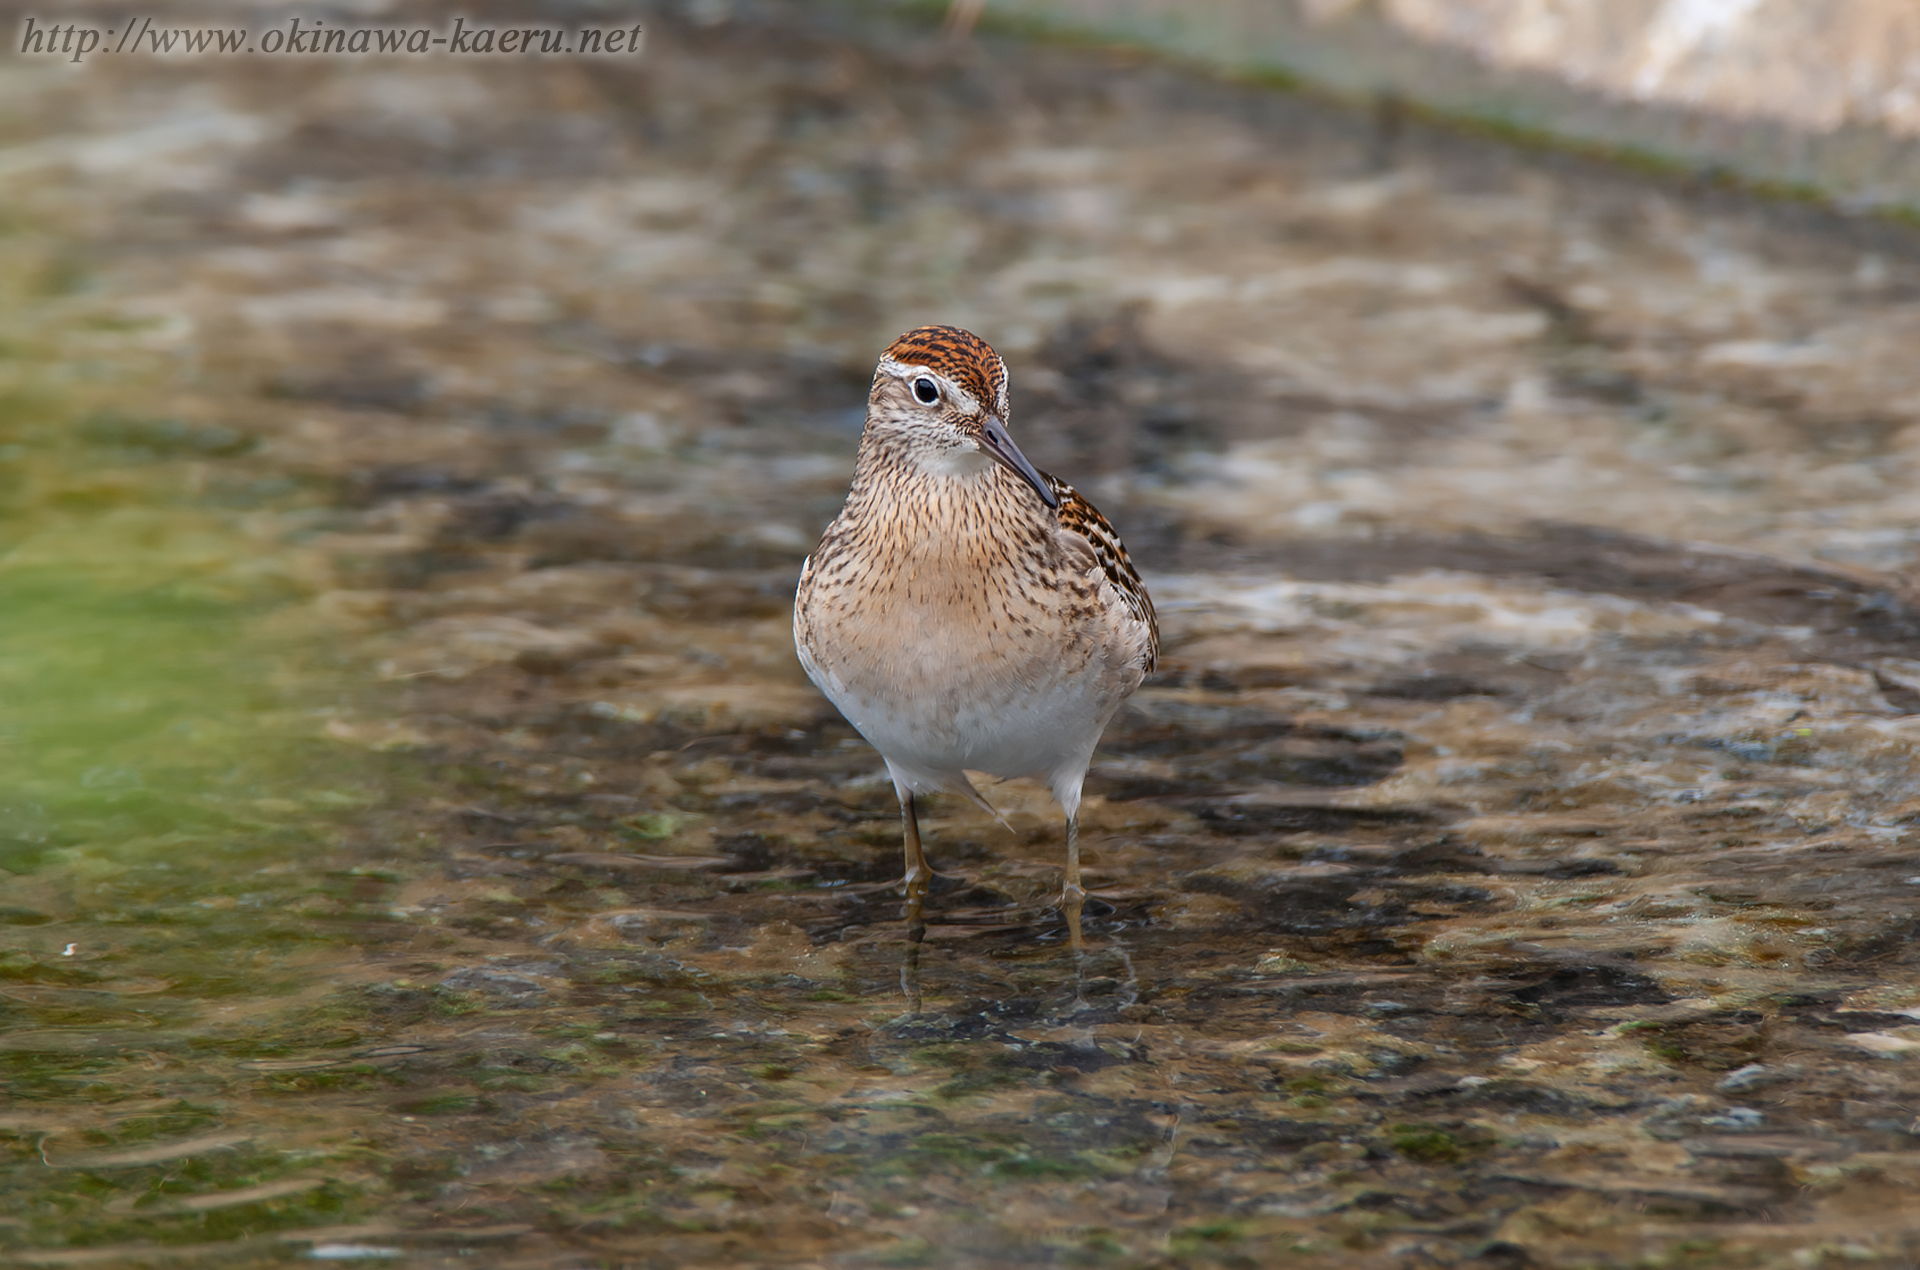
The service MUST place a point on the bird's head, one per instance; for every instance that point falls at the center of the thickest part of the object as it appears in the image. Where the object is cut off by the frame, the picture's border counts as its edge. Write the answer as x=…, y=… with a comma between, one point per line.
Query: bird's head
x=942, y=392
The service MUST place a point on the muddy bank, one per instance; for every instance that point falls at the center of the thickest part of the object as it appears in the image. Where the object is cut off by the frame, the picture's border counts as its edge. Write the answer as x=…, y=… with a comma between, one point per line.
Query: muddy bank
x=1511, y=865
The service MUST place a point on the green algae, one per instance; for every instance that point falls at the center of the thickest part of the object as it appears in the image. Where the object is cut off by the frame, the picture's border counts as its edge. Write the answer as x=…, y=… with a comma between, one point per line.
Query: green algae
x=160, y=767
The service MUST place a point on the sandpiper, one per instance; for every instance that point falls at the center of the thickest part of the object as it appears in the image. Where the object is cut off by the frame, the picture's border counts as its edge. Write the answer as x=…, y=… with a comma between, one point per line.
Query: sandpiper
x=966, y=611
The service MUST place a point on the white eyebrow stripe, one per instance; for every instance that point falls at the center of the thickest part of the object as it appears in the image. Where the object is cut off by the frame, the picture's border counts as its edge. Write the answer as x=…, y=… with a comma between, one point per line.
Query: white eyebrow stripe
x=905, y=370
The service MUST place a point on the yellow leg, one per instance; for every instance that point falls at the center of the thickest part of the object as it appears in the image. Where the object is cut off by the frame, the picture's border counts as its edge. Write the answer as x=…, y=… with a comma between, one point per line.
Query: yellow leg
x=1075, y=895
x=919, y=872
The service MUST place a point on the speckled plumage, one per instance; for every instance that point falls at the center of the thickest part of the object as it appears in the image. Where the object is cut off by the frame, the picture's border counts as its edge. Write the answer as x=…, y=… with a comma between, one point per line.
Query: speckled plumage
x=965, y=611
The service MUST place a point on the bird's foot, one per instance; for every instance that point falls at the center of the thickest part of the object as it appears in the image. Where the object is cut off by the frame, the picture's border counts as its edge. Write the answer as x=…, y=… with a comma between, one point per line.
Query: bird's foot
x=1072, y=899
x=917, y=883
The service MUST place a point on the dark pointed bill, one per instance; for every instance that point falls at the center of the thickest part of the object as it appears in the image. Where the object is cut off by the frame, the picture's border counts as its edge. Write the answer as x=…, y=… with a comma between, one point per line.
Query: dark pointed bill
x=995, y=441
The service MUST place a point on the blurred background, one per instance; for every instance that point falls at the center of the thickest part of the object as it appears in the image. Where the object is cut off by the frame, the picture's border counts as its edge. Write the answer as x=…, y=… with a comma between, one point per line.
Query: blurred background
x=1816, y=99
x=419, y=844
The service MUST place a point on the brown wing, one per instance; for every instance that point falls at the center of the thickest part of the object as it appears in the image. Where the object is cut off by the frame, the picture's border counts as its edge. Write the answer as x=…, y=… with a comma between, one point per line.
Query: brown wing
x=1083, y=518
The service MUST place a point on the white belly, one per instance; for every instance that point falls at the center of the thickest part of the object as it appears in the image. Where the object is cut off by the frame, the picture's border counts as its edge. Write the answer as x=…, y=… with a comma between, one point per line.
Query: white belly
x=1037, y=733
x=933, y=713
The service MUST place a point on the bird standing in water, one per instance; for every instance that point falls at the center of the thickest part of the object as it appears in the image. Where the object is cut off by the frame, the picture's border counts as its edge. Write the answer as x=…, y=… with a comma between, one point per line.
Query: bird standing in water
x=966, y=611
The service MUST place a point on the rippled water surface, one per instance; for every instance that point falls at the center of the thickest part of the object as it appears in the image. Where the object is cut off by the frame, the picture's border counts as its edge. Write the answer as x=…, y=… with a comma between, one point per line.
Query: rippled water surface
x=420, y=844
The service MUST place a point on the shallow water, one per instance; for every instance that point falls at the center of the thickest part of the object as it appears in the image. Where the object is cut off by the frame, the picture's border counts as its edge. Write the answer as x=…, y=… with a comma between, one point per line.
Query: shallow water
x=420, y=843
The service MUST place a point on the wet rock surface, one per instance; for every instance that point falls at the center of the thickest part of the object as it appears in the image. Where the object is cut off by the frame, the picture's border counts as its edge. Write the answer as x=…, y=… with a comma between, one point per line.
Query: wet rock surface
x=1512, y=863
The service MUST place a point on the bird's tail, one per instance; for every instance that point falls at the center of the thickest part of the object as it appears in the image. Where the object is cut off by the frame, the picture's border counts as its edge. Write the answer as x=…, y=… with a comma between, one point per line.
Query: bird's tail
x=926, y=781
x=963, y=786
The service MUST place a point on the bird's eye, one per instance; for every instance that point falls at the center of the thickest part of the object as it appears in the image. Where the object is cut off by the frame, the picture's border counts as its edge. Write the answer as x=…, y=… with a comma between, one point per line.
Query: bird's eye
x=926, y=391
